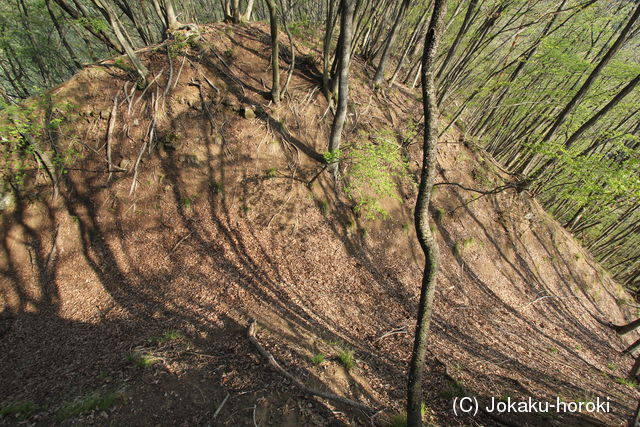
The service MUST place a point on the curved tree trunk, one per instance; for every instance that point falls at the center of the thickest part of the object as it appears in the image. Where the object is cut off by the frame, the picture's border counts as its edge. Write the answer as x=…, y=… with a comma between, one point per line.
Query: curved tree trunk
x=425, y=236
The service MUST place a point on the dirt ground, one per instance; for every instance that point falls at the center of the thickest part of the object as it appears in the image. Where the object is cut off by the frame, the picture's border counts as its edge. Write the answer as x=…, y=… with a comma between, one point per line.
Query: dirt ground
x=128, y=304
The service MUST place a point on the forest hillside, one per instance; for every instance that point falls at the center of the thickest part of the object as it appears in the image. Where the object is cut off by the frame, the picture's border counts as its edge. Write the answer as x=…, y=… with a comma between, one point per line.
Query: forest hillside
x=193, y=206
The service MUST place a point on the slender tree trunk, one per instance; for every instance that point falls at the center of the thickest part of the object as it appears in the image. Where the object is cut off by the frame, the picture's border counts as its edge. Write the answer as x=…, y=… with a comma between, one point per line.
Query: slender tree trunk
x=172, y=22
x=111, y=44
x=275, y=52
x=604, y=110
x=326, y=50
x=425, y=236
x=346, y=22
x=248, y=11
x=109, y=13
x=377, y=78
x=571, y=105
x=63, y=38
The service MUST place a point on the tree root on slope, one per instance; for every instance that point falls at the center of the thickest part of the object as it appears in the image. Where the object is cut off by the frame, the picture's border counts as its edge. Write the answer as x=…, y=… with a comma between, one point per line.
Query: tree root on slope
x=251, y=333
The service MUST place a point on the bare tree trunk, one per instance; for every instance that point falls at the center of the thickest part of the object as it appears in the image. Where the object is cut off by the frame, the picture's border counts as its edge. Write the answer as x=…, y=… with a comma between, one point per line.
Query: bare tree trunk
x=172, y=22
x=377, y=78
x=248, y=11
x=235, y=11
x=346, y=22
x=326, y=51
x=63, y=38
x=275, y=51
x=106, y=9
x=426, y=238
x=571, y=105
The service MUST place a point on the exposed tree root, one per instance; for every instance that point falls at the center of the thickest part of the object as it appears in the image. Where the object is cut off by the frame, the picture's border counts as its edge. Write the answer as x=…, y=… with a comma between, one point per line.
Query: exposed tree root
x=251, y=333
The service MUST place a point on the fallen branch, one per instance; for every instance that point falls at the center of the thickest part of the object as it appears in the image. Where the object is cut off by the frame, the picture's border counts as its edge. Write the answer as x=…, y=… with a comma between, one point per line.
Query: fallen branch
x=110, y=127
x=215, y=414
x=400, y=330
x=251, y=333
x=180, y=241
x=179, y=72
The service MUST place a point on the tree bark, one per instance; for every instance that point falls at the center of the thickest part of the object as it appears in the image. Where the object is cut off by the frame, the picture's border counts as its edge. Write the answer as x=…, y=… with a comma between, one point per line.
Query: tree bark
x=426, y=238
x=109, y=13
x=377, y=78
x=172, y=22
x=248, y=11
x=346, y=21
x=275, y=52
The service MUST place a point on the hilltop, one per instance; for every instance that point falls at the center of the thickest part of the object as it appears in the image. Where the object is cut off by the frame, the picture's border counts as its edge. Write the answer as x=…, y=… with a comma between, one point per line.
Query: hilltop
x=127, y=297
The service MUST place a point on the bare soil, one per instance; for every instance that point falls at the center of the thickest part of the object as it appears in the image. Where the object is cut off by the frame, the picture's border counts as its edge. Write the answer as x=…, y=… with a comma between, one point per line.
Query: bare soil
x=126, y=307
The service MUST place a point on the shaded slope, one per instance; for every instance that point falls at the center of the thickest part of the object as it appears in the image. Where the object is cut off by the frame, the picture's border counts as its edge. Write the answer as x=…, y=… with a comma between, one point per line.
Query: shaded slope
x=221, y=228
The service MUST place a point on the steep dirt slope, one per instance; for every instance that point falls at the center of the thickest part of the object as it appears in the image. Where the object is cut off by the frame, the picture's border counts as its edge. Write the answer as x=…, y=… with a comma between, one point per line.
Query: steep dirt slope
x=128, y=304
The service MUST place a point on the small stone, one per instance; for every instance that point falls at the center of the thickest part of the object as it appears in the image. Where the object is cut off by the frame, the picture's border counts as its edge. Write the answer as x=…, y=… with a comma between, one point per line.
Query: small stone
x=248, y=113
x=6, y=201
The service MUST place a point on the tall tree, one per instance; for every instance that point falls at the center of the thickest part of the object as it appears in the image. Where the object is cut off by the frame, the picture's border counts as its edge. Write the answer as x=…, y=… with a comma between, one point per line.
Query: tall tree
x=346, y=23
x=275, y=52
x=377, y=78
x=571, y=105
x=426, y=238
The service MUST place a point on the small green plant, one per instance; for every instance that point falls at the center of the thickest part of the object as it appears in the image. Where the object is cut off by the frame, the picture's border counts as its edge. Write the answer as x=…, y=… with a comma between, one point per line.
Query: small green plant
x=612, y=366
x=19, y=411
x=123, y=65
x=323, y=205
x=178, y=46
x=440, y=214
x=94, y=401
x=187, y=202
x=317, y=359
x=627, y=381
x=504, y=397
x=217, y=187
x=167, y=337
x=230, y=53
x=459, y=246
x=578, y=348
x=142, y=359
x=332, y=156
x=375, y=170
x=553, y=349
x=246, y=209
x=453, y=389
x=406, y=227
x=271, y=172
x=400, y=419
x=347, y=359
